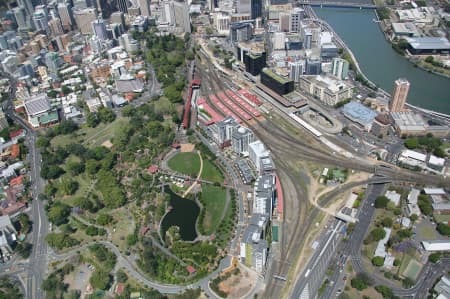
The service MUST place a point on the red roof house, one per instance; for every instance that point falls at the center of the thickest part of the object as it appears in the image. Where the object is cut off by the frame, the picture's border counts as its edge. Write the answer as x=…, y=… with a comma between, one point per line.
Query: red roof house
x=191, y=269
x=153, y=169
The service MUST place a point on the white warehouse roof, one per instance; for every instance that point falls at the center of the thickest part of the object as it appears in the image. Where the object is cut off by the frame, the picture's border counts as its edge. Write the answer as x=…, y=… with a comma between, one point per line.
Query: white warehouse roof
x=434, y=191
x=414, y=155
x=436, y=245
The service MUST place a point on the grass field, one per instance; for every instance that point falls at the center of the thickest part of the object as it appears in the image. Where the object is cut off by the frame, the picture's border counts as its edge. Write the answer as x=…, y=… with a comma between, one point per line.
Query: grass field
x=189, y=164
x=186, y=163
x=211, y=172
x=214, y=199
x=91, y=136
x=427, y=232
x=405, y=262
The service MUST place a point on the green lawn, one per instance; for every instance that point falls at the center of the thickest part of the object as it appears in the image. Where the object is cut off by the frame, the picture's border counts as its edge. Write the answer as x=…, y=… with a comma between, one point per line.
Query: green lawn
x=214, y=200
x=91, y=136
x=189, y=164
x=211, y=172
x=427, y=232
x=186, y=163
x=412, y=270
x=405, y=262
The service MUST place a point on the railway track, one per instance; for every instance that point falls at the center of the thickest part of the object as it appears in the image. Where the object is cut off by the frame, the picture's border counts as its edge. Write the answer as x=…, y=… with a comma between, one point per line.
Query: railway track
x=286, y=149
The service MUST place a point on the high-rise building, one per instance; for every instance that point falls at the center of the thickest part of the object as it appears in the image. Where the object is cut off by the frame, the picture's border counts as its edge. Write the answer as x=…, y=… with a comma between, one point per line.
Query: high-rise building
x=168, y=13
x=240, y=32
x=339, y=68
x=256, y=8
x=295, y=19
x=99, y=29
x=55, y=26
x=244, y=6
x=182, y=18
x=283, y=21
x=399, y=95
x=27, y=5
x=40, y=20
x=84, y=19
x=122, y=5
x=21, y=17
x=144, y=6
x=296, y=70
x=65, y=14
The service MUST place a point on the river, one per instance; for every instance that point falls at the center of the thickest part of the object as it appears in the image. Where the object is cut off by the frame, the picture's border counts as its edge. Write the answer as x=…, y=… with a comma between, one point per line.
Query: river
x=380, y=63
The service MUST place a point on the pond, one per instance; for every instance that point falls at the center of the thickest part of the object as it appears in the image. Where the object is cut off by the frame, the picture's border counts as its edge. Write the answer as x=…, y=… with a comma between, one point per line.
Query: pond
x=184, y=214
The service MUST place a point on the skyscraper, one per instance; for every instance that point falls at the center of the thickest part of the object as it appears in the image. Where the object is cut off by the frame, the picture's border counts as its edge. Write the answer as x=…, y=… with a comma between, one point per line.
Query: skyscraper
x=339, y=68
x=182, y=18
x=399, y=95
x=84, y=19
x=65, y=14
x=99, y=29
x=40, y=20
x=144, y=6
x=122, y=5
x=55, y=27
x=256, y=8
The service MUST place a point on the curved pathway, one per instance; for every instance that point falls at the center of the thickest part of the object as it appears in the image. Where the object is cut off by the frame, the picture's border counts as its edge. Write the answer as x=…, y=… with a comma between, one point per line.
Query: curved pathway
x=198, y=176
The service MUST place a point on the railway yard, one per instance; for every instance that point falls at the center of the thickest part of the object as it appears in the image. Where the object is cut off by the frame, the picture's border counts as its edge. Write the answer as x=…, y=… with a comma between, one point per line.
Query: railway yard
x=290, y=145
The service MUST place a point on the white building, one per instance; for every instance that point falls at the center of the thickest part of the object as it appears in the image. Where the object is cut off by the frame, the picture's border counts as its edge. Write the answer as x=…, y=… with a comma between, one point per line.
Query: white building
x=436, y=245
x=381, y=246
x=393, y=196
x=257, y=151
x=413, y=196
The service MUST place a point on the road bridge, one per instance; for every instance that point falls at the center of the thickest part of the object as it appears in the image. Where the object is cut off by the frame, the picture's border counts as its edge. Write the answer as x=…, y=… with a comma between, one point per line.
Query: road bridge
x=344, y=4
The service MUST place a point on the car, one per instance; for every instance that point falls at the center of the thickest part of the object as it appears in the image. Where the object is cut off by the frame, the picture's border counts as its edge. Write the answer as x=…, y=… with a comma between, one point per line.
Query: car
x=344, y=278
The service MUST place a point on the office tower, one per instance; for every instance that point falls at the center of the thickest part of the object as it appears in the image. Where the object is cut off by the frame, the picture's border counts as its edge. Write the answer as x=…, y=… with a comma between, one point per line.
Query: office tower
x=313, y=67
x=256, y=8
x=222, y=23
x=84, y=19
x=118, y=18
x=65, y=14
x=182, y=18
x=55, y=27
x=40, y=20
x=307, y=40
x=122, y=5
x=20, y=15
x=296, y=17
x=168, y=13
x=401, y=88
x=339, y=68
x=244, y=6
x=296, y=70
x=99, y=29
x=53, y=62
x=27, y=5
x=240, y=32
x=144, y=6
x=283, y=21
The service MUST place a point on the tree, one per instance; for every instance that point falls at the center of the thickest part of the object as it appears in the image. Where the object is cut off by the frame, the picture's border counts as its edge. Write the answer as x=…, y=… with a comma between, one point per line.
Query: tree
x=92, y=120
x=411, y=143
x=23, y=249
x=51, y=172
x=75, y=168
x=84, y=203
x=443, y=229
x=66, y=90
x=378, y=261
x=385, y=291
x=106, y=115
x=429, y=59
x=381, y=202
x=361, y=281
x=414, y=217
x=100, y=279
x=58, y=213
x=104, y=219
x=407, y=282
x=387, y=222
x=378, y=233
x=68, y=186
x=121, y=276
x=92, y=167
x=128, y=111
x=25, y=223
x=43, y=142
x=434, y=257
x=425, y=205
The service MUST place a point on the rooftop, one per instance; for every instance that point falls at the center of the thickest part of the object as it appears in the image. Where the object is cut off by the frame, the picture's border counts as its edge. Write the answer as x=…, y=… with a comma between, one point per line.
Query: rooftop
x=359, y=113
x=37, y=104
x=438, y=43
x=275, y=76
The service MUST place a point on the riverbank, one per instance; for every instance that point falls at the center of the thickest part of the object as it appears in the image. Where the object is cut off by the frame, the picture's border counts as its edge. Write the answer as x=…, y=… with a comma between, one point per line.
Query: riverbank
x=385, y=25
x=379, y=62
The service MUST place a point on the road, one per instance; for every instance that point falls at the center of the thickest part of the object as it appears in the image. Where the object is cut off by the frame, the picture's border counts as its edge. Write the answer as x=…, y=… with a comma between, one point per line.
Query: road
x=37, y=267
